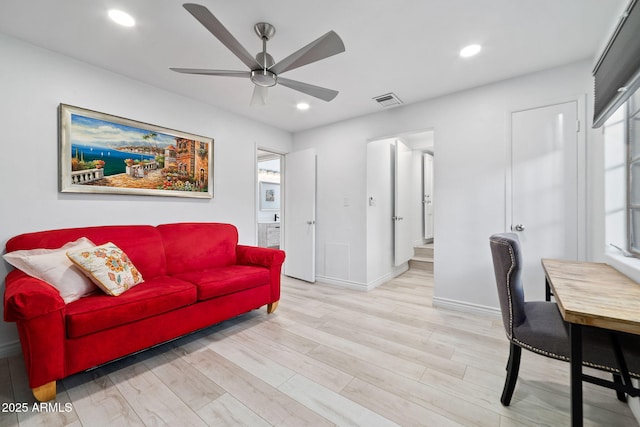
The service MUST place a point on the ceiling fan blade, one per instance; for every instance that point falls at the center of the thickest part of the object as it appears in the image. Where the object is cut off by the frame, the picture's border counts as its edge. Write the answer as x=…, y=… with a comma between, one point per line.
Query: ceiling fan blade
x=216, y=28
x=323, y=47
x=315, y=91
x=225, y=73
x=259, y=96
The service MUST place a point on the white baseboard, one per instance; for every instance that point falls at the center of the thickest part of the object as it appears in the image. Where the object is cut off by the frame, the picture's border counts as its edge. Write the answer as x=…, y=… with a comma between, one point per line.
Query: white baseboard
x=340, y=283
x=10, y=349
x=466, y=307
x=391, y=275
x=359, y=286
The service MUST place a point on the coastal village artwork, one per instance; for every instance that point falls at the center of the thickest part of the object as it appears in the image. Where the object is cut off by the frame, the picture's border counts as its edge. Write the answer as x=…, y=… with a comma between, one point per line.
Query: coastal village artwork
x=101, y=153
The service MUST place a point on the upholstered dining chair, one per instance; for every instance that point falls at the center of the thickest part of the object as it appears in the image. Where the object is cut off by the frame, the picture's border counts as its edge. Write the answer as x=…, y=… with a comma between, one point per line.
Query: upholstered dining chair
x=538, y=326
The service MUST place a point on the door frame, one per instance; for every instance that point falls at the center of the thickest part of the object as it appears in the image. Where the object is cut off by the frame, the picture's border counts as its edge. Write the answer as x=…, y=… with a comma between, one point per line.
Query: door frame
x=424, y=182
x=377, y=276
x=580, y=100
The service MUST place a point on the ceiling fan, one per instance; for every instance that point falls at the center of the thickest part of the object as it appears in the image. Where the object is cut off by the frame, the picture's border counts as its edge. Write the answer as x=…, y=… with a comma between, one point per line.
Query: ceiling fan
x=264, y=72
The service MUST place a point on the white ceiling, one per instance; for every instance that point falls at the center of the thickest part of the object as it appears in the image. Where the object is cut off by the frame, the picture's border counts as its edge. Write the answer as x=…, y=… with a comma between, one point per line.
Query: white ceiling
x=409, y=47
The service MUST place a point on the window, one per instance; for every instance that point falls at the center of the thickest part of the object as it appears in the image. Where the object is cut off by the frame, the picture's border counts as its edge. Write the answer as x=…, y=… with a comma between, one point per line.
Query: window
x=632, y=121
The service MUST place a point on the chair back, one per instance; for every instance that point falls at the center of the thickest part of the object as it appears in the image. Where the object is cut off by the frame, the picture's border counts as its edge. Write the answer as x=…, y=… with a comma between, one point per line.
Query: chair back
x=507, y=265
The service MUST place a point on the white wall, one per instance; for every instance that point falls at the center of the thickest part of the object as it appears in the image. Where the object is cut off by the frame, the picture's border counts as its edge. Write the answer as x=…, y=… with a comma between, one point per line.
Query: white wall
x=33, y=82
x=470, y=161
x=379, y=228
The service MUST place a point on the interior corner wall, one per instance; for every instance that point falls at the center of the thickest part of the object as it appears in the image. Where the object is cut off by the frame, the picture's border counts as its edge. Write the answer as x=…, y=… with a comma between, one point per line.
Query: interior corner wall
x=34, y=81
x=379, y=187
x=472, y=133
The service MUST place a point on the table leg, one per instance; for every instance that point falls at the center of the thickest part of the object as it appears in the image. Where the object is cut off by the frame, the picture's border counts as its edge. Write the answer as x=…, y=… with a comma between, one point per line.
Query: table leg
x=575, y=332
x=547, y=290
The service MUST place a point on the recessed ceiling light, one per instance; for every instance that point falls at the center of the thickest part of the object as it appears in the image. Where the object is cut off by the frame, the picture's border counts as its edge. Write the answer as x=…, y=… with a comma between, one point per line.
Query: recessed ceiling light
x=122, y=18
x=302, y=106
x=471, y=50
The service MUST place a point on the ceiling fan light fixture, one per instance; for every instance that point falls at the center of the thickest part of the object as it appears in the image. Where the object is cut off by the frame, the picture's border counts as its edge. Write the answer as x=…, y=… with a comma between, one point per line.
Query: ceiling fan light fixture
x=470, y=50
x=264, y=78
x=122, y=18
x=262, y=72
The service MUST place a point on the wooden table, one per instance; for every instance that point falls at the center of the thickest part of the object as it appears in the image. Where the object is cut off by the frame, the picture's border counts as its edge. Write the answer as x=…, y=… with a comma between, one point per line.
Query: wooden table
x=593, y=294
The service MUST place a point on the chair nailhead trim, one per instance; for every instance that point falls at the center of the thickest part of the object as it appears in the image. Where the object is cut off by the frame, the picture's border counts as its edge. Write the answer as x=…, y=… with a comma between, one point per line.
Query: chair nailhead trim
x=530, y=347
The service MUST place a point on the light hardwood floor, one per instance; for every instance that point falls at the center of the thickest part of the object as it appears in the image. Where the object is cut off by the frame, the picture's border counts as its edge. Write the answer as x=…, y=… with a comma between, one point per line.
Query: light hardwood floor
x=327, y=356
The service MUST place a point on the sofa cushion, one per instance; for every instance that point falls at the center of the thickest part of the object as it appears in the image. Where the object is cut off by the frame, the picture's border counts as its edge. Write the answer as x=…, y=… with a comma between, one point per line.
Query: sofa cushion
x=99, y=311
x=195, y=246
x=226, y=280
x=142, y=243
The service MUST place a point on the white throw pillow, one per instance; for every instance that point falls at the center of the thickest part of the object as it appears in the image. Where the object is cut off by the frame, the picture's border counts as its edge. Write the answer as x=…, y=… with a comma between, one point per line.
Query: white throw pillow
x=54, y=267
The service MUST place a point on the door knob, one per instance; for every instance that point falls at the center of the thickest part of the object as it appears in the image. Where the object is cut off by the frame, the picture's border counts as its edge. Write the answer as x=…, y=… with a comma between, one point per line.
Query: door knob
x=517, y=227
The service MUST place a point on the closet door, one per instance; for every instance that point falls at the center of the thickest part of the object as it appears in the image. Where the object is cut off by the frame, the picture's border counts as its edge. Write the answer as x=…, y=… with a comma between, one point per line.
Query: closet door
x=545, y=188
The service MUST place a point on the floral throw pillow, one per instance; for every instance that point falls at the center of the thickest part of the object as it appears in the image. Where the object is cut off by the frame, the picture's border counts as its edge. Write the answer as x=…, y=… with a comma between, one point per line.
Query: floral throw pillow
x=108, y=267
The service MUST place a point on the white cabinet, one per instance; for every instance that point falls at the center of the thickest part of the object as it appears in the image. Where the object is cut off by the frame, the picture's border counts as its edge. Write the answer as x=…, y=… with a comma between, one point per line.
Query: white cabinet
x=269, y=234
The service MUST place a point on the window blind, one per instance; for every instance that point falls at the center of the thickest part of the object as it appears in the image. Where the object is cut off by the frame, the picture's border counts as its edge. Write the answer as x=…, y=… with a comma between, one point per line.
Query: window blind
x=617, y=72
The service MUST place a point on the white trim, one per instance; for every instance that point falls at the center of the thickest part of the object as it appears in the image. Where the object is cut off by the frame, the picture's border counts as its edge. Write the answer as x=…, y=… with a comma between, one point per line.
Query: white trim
x=9, y=349
x=345, y=284
x=365, y=287
x=466, y=307
x=395, y=272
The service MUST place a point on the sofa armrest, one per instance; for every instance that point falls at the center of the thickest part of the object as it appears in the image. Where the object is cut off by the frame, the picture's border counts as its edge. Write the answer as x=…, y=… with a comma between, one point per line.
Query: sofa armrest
x=26, y=297
x=263, y=257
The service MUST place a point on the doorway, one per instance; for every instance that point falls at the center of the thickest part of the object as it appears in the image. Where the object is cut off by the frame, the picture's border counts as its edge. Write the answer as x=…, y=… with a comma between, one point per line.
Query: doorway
x=269, y=199
x=399, y=182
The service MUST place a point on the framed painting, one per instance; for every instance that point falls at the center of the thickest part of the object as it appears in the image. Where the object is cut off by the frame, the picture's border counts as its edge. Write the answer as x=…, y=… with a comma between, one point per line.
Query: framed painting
x=101, y=153
x=269, y=196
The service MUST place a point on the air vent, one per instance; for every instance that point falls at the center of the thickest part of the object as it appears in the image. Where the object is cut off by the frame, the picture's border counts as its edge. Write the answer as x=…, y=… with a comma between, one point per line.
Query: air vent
x=388, y=100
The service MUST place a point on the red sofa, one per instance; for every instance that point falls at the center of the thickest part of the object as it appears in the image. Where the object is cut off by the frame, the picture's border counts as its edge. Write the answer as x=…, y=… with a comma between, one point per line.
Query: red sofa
x=195, y=275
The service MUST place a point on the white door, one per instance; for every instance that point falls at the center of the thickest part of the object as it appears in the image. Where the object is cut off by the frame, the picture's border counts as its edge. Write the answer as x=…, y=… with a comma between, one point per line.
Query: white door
x=300, y=215
x=427, y=185
x=544, y=188
x=403, y=243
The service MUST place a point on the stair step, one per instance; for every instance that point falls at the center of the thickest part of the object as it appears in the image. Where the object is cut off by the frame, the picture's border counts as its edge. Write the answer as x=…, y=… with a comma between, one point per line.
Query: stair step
x=424, y=251
x=422, y=257
x=421, y=263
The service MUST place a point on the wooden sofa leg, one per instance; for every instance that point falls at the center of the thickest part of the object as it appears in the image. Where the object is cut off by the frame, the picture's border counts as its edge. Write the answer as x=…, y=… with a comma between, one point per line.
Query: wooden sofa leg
x=272, y=307
x=45, y=392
